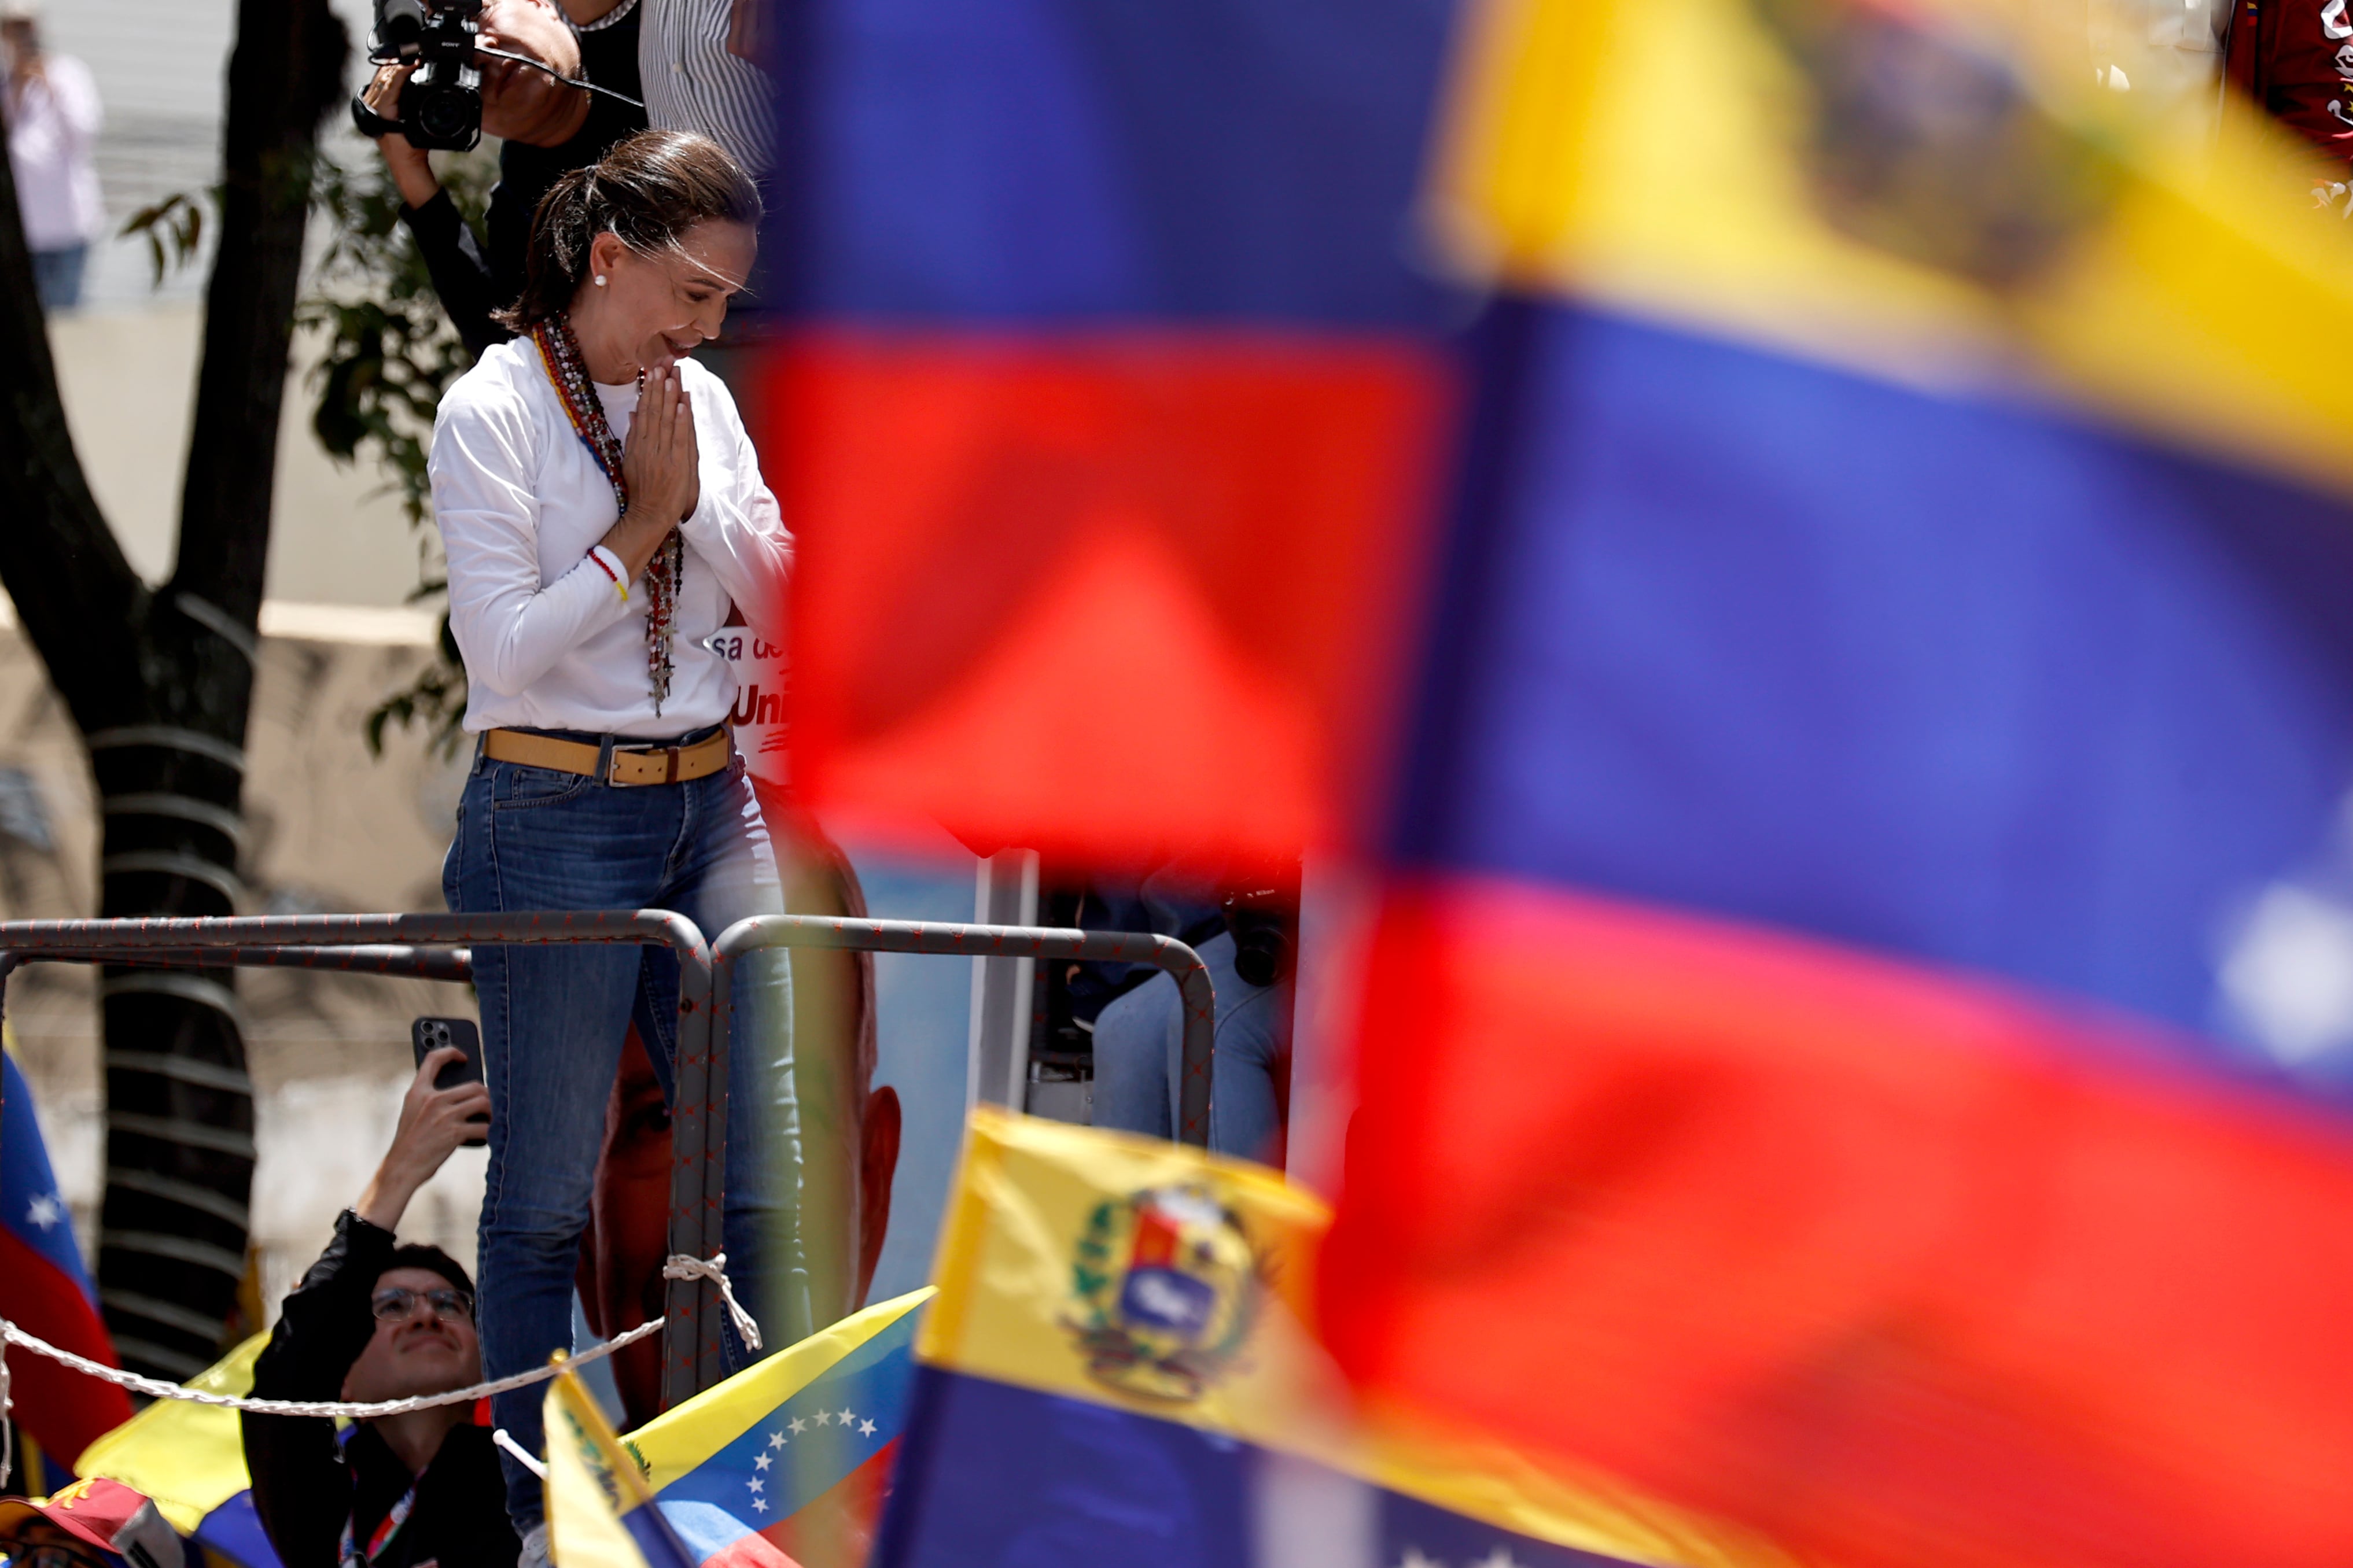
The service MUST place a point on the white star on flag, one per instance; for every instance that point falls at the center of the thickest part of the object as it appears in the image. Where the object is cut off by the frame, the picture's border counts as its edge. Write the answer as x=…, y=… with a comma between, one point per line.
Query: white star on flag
x=1414, y=1558
x=777, y=1439
x=1499, y=1558
x=45, y=1210
x=825, y=1417
x=845, y=1415
x=759, y=1505
x=799, y=1425
x=866, y=1428
x=755, y=1484
x=761, y=1461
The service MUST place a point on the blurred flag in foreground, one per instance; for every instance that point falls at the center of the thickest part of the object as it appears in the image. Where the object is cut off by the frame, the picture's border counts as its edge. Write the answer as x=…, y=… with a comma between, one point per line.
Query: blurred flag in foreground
x=44, y=1291
x=1860, y=1037
x=791, y=1454
x=190, y=1458
x=1115, y=1371
x=1109, y=416
x=600, y=1513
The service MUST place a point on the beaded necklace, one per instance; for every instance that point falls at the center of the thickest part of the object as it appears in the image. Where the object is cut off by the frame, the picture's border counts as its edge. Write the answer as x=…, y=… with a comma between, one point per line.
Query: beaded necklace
x=559, y=351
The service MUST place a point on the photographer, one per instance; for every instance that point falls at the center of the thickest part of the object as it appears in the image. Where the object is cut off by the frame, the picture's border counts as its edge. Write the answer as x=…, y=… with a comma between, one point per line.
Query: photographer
x=372, y=1320
x=547, y=130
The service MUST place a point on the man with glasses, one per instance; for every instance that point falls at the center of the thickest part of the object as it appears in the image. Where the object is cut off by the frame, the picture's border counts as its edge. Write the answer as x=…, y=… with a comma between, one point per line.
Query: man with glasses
x=375, y=1320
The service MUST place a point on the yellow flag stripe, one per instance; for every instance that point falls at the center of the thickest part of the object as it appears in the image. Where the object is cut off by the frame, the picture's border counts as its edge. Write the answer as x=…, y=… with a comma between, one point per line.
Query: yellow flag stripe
x=1649, y=157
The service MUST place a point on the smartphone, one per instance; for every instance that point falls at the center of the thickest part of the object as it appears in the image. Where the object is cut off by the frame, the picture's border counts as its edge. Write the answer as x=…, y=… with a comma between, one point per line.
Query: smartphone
x=426, y=1036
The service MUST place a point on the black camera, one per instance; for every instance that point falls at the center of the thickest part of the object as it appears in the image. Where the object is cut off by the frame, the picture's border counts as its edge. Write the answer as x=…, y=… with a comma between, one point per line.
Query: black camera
x=441, y=105
x=1265, y=926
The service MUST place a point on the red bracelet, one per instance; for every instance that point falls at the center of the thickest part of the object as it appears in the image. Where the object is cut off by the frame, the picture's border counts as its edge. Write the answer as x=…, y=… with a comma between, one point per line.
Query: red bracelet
x=611, y=565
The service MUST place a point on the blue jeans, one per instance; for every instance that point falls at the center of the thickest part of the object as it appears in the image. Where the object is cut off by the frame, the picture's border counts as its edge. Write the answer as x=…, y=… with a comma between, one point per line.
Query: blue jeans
x=57, y=276
x=1140, y=1055
x=553, y=1019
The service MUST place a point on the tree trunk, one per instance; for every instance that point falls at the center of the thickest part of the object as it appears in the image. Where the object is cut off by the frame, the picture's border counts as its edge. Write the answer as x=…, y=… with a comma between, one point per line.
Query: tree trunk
x=160, y=684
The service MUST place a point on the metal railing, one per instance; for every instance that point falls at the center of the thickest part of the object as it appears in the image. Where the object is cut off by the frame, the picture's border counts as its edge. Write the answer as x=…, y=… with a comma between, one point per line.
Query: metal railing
x=947, y=939
x=438, y=947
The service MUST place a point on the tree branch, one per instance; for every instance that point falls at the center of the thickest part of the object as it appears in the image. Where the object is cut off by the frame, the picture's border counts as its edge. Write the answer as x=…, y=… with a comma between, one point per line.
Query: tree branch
x=59, y=562
x=285, y=73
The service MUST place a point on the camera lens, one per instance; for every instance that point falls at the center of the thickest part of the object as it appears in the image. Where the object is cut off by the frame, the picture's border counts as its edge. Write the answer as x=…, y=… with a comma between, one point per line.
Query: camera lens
x=448, y=117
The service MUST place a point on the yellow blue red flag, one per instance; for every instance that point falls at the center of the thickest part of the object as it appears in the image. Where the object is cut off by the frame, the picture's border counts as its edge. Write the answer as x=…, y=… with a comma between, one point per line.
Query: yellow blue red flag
x=794, y=1454
x=1116, y=1371
x=190, y=1458
x=1863, y=1036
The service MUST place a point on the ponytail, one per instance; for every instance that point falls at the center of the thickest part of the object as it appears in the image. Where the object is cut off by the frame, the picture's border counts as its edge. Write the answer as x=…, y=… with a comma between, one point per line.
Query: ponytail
x=649, y=190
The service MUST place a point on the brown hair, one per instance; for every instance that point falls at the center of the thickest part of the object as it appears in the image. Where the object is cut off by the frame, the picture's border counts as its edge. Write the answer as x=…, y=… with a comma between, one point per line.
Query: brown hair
x=649, y=190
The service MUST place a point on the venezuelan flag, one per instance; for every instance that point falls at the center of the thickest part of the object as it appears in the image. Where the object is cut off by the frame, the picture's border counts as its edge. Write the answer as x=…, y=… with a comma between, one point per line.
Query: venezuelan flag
x=1117, y=1371
x=45, y=1290
x=1110, y=412
x=190, y=1458
x=792, y=1455
x=1862, y=1022
x=600, y=1513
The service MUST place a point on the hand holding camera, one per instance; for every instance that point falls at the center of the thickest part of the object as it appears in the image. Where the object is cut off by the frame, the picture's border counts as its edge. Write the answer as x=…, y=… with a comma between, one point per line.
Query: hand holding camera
x=411, y=169
x=440, y=52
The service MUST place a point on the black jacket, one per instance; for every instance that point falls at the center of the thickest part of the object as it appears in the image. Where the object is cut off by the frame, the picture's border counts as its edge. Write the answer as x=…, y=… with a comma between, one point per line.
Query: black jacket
x=306, y=1483
x=473, y=280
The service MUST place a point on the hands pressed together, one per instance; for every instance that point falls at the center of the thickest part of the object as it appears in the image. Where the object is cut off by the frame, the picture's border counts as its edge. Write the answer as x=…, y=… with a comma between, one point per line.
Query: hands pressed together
x=659, y=465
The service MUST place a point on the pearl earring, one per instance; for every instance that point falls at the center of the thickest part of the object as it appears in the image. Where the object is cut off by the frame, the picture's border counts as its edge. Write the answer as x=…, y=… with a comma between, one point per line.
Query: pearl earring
x=600, y=280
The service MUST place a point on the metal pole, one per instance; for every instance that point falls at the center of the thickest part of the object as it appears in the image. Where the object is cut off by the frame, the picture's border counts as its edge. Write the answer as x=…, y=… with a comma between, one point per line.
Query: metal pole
x=452, y=964
x=407, y=944
x=389, y=944
x=1199, y=997
x=698, y=1133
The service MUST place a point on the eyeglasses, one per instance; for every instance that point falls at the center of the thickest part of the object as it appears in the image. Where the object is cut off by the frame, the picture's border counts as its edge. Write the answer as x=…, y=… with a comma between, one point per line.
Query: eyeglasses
x=395, y=1302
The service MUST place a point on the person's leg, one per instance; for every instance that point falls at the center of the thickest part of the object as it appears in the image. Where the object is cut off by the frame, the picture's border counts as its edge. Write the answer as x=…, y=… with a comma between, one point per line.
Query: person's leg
x=1242, y=1117
x=1134, y=1035
x=779, y=1168
x=553, y=1023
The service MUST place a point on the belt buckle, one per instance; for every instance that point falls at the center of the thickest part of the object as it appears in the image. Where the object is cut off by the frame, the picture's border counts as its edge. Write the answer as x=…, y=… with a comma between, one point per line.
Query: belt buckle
x=612, y=769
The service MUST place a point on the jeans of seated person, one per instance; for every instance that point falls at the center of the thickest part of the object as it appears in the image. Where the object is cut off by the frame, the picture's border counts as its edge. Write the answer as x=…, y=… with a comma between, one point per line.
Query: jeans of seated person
x=58, y=274
x=553, y=1019
x=1140, y=1057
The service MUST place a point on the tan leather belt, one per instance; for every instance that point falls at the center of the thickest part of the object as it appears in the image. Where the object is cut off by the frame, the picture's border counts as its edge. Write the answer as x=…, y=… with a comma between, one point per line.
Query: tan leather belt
x=632, y=765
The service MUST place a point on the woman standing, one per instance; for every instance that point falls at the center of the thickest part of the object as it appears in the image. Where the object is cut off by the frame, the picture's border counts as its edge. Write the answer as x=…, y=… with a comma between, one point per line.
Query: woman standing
x=601, y=509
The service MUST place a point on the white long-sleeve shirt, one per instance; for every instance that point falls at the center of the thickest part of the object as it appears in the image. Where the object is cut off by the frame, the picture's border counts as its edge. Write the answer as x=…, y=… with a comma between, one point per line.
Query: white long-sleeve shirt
x=52, y=129
x=549, y=644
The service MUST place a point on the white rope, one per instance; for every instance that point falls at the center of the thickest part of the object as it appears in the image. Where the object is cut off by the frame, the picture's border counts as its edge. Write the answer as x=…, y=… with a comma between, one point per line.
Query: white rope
x=678, y=1266
x=155, y=1388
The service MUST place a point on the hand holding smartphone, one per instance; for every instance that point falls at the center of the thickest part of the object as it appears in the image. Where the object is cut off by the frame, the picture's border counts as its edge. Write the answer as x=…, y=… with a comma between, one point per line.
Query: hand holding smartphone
x=426, y=1036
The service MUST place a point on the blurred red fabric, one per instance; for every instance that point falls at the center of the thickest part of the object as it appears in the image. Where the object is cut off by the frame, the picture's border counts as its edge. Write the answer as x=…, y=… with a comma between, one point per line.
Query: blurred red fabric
x=1118, y=596
x=1901, y=1268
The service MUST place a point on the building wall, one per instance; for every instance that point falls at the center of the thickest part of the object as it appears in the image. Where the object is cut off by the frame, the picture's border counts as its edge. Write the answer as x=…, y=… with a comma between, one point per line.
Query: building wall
x=331, y=828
